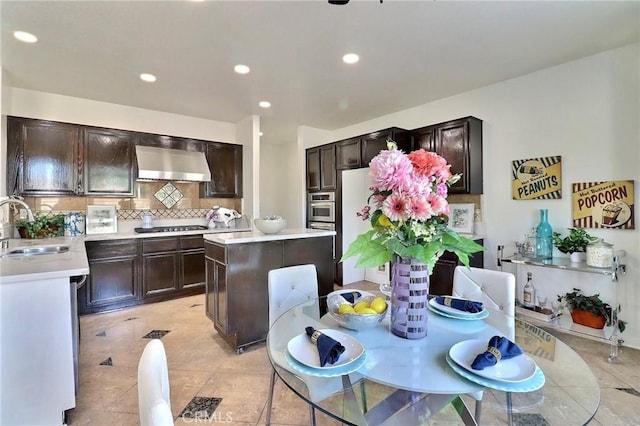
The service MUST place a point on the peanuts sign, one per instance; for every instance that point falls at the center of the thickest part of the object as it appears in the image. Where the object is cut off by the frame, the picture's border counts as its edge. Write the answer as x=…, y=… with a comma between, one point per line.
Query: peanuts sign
x=603, y=204
x=537, y=178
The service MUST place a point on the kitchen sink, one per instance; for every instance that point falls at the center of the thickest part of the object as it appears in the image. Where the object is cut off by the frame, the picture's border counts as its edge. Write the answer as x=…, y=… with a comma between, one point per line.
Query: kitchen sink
x=33, y=251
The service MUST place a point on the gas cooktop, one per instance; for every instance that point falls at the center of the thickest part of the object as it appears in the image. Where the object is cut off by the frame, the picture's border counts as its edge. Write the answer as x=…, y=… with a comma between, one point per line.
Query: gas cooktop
x=179, y=228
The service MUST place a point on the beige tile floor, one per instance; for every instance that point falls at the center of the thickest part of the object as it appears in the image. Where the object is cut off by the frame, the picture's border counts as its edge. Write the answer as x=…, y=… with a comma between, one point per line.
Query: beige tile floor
x=202, y=364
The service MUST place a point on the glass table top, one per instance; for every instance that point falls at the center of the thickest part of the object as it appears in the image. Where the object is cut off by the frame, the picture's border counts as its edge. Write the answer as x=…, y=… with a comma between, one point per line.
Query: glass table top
x=404, y=380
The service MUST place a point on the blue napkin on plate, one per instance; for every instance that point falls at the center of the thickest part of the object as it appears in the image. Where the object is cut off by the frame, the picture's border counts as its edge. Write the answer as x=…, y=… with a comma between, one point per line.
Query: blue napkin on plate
x=460, y=304
x=351, y=296
x=498, y=348
x=329, y=349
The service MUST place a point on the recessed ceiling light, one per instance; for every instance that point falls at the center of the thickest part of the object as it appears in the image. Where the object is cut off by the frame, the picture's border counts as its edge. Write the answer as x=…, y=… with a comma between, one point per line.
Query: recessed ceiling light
x=350, y=58
x=264, y=104
x=149, y=78
x=260, y=134
x=25, y=36
x=241, y=69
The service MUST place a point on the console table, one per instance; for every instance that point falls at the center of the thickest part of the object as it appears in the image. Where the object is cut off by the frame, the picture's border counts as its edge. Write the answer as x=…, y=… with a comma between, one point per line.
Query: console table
x=564, y=322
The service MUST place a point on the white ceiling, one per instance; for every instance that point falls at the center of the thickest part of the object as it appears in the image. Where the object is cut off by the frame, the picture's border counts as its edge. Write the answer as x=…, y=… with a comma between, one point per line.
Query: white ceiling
x=412, y=52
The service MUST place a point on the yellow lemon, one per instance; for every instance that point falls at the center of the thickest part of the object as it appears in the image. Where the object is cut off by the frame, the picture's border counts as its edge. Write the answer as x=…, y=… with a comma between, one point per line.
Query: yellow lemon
x=379, y=305
x=345, y=308
x=366, y=311
x=360, y=305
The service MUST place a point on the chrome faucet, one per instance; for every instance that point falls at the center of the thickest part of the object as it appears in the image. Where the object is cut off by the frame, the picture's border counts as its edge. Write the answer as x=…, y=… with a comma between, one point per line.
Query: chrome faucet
x=13, y=200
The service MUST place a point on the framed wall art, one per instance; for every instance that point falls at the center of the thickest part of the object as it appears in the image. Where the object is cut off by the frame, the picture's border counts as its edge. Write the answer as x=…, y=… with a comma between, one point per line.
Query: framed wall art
x=607, y=204
x=461, y=218
x=101, y=220
x=537, y=178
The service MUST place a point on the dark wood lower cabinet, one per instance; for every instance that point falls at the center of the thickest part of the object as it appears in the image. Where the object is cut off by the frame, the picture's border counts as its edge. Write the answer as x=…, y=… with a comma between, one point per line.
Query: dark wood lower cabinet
x=131, y=272
x=441, y=280
x=237, y=299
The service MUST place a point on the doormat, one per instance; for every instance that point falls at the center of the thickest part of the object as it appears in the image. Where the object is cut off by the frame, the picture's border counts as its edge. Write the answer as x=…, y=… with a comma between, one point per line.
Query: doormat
x=201, y=408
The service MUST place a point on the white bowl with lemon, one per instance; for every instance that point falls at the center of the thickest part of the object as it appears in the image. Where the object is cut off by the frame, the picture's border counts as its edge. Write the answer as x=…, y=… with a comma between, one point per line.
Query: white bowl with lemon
x=367, y=311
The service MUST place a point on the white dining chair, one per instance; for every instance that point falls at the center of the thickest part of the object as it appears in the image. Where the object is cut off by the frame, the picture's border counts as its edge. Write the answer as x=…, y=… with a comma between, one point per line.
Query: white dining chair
x=497, y=291
x=288, y=287
x=154, y=398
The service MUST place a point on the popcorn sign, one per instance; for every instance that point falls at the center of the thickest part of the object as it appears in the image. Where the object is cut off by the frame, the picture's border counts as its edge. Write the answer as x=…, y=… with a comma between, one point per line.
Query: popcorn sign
x=603, y=204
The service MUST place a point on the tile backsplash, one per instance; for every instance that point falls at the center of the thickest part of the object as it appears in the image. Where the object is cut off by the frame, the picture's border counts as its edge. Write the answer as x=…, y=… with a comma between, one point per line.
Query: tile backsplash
x=190, y=205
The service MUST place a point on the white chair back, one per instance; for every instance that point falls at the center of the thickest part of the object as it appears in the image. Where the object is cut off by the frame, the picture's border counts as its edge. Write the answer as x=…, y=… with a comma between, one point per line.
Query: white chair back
x=495, y=289
x=154, y=400
x=291, y=286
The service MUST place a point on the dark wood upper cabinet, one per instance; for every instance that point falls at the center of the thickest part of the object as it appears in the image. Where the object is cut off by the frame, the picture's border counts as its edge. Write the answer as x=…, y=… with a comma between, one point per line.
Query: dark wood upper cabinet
x=225, y=164
x=460, y=143
x=321, y=168
x=171, y=142
x=313, y=169
x=43, y=158
x=109, y=162
x=348, y=154
x=375, y=142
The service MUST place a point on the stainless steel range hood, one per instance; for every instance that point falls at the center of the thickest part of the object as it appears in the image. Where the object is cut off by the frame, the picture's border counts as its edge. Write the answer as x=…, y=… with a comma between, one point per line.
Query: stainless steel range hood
x=171, y=164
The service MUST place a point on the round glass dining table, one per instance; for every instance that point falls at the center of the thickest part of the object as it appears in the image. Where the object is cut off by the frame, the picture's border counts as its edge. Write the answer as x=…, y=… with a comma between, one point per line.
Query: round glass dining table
x=405, y=381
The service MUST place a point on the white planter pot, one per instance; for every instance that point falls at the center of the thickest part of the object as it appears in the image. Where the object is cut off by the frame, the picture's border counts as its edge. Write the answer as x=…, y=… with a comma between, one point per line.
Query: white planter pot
x=578, y=256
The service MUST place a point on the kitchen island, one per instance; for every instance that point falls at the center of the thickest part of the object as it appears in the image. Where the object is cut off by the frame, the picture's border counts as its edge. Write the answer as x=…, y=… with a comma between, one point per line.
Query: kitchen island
x=37, y=334
x=237, y=265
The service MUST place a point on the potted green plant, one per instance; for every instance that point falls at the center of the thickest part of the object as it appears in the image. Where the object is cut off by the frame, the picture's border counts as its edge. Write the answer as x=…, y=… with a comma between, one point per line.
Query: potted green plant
x=590, y=310
x=574, y=244
x=44, y=226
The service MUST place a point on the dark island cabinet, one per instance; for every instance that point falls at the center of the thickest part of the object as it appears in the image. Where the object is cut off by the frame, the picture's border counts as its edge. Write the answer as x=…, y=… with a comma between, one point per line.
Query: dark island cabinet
x=237, y=300
x=460, y=143
x=321, y=168
x=225, y=164
x=32, y=144
x=441, y=280
x=114, y=267
x=109, y=162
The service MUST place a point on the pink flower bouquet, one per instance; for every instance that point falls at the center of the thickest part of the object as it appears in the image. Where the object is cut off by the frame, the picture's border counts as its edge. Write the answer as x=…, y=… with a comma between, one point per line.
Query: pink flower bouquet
x=408, y=210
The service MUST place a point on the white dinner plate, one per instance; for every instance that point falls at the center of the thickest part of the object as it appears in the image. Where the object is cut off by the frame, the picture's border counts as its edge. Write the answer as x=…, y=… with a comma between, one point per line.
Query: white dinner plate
x=305, y=352
x=457, y=312
x=514, y=370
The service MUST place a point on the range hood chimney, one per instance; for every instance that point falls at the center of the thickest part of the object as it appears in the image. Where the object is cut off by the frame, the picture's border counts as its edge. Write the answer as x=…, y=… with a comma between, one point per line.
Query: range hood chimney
x=171, y=164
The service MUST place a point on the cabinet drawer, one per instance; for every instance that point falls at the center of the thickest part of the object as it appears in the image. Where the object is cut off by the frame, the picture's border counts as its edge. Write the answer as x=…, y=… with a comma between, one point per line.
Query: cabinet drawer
x=192, y=242
x=215, y=252
x=155, y=245
x=110, y=249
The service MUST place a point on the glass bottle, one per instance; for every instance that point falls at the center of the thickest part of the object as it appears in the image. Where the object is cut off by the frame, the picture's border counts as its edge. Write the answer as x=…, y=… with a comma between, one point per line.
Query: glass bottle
x=529, y=293
x=544, y=243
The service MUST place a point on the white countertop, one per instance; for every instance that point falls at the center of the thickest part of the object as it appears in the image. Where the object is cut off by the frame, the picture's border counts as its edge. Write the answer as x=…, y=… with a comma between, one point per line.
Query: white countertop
x=43, y=266
x=257, y=236
x=126, y=229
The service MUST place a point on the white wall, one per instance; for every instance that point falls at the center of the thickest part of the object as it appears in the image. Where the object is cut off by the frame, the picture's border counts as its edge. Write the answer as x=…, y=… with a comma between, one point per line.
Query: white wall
x=279, y=181
x=248, y=134
x=588, y=112
x=49, y=106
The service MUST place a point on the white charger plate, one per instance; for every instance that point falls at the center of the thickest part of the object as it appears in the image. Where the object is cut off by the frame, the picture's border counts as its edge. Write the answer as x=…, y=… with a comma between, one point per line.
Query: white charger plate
x=447, y=311
x=305, y=352
x=513, y=370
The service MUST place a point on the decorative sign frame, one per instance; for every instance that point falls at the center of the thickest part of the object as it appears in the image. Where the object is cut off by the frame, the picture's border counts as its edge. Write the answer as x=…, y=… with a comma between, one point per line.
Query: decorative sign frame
x=606, y=204
x=101, y=220
x=461, y=217
x=537, y=178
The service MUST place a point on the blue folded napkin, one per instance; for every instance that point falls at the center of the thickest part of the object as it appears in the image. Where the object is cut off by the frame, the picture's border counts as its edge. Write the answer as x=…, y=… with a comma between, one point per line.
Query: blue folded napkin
x=329, y=349
x=498, y=348
x=460, y=304
x=351, y=296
